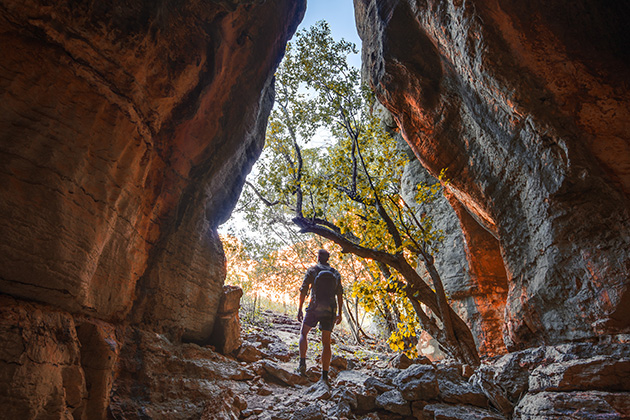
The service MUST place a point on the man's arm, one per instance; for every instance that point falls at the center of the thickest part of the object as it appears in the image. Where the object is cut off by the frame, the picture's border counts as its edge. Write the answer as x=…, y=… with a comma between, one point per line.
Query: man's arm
x=339, y=303
x=306, y=284
x=300, y=315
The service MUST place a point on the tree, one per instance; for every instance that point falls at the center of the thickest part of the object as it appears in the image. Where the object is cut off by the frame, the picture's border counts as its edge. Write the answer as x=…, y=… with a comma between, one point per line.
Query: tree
x=349, y=191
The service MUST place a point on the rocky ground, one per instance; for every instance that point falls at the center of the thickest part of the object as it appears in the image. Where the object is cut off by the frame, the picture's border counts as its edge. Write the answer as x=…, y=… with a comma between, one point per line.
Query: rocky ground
x=561, y=382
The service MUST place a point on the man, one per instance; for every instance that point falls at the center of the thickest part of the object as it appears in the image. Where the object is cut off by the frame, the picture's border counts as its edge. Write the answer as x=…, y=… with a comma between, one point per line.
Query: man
x=324, y=283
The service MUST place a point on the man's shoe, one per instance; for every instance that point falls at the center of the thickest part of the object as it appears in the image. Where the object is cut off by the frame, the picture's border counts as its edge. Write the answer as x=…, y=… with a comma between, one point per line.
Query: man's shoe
x=301, y=370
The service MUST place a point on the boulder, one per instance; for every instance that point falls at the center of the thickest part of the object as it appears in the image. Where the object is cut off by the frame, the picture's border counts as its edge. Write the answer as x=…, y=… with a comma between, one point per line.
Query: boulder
x=603, y=373
x=418, y=382
x=377, y=384
x=580, y=405
x=311, y=412
x=366, y=400
x=393, y=401
x=226, y=336
x=456, y=390
x=460, y=412
x=339, y=362
x=249, y=353
x=320, y=390
x=275, y=373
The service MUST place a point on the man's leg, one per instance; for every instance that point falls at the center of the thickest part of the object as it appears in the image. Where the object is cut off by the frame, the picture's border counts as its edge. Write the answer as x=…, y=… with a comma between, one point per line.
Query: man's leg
x=303, y=342
x=326, y=353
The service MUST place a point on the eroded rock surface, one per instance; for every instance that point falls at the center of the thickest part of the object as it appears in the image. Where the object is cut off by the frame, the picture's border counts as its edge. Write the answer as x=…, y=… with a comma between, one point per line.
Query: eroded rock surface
x=527, y=106
x=126, y=131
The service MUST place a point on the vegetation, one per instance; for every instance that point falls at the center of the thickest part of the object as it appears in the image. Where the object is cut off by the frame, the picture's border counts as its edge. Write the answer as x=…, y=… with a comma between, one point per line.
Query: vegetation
x=347, y=191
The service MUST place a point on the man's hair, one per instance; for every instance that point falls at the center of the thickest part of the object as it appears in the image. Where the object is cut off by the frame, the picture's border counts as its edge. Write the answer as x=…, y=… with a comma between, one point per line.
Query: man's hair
x=322, y=256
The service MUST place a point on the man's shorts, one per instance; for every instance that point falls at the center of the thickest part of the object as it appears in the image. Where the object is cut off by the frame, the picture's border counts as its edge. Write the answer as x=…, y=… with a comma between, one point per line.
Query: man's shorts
x=326, y=320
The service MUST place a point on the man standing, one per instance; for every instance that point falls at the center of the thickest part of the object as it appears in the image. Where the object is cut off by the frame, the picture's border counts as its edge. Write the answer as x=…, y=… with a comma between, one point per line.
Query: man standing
x=324, y=283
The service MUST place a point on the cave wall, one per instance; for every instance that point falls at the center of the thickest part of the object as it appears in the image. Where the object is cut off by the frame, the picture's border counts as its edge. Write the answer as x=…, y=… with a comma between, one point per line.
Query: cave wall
x=527, y=106
x=477, y=295
x=126, y=132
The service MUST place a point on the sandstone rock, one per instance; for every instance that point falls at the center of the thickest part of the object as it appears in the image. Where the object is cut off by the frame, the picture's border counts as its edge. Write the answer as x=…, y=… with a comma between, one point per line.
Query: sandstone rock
x=126, y=132
x=251, y=412
x=231, y=300
x=350, y=377
x=376, y=384
x=393, y=401
x=99, y=354
x=417, y=410
x=573, y=405
x=249, y=353
x=225, y=406
x=320, y=390
x=602, y=373
x=511, y=372
x=264, y=390
x=490, y=93
x=164, y=379
x=277, y=374
x=468, y=260
x=226, y=336
x=128, y=172
x=401, y=361
x=366, y=400
x=312, y=412
x=278, y=350
x=338, y=362
x=40, y=363
x=346, y=396
x=418, y=382
x=455, y=390
x=460, y=412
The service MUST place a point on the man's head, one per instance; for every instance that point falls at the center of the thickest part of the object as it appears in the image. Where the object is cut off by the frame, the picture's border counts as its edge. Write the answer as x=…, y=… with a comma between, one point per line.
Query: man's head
x=322, y=256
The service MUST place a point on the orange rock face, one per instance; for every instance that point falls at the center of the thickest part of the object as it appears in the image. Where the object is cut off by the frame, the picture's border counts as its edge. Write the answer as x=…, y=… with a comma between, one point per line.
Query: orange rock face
x=527, y=105
x=126, y=131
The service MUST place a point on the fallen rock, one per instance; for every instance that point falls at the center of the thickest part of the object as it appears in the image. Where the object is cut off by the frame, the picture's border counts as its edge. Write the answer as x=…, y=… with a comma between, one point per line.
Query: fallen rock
x=418, y=382
x=393, y=401
x=249, y=353
x=345, y=395
x=401, y=361
x=312, y=412
x=459, y=412
x=366, y=400
x=603, y=373
x=278, y=350
x=338, y=362
x=277, y=374
x=574, y=405
x=224, y=406
x=320, y=390
x=454, y=389
x=377, y=384
x=350, y=377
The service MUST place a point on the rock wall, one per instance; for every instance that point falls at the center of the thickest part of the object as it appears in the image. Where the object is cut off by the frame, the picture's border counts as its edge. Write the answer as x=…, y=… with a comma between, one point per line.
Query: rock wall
x=126, y=131
x=527, y=105
x=478, y=298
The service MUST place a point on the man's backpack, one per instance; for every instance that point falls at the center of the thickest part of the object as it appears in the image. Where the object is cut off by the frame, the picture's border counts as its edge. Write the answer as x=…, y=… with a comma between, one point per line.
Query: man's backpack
x=324, y=292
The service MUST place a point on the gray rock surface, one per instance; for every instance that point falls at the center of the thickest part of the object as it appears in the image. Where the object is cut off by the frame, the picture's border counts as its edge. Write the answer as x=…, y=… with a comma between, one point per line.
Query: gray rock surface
x=418, y=382
x=530, y=117
x=393, y=401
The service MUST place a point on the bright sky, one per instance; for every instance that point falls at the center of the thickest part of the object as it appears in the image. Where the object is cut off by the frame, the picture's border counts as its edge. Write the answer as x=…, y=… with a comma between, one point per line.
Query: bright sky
x=340, y=16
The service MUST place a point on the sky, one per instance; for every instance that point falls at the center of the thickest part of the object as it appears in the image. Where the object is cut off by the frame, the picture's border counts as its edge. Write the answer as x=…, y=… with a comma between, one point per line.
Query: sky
x=340, y=16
